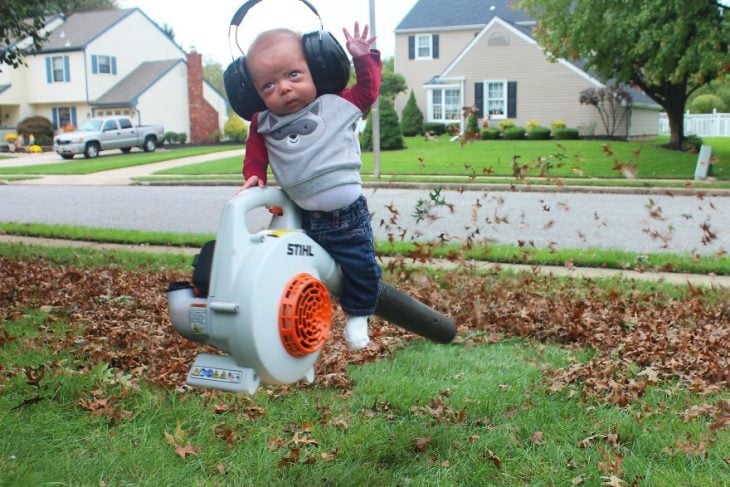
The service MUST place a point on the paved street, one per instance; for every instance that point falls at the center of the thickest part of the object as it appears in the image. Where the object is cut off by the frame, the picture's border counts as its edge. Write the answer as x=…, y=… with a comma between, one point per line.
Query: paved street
x=642, y=223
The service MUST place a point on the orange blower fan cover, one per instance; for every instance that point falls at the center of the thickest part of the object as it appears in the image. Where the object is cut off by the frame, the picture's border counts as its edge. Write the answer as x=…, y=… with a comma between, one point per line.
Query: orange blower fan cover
x=305, y=315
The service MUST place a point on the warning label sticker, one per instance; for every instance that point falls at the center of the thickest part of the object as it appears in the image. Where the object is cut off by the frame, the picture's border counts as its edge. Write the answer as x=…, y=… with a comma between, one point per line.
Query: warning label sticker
x=198, y=316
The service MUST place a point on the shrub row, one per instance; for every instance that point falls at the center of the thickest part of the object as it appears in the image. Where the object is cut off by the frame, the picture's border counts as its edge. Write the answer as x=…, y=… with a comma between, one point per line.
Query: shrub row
x=535, y=133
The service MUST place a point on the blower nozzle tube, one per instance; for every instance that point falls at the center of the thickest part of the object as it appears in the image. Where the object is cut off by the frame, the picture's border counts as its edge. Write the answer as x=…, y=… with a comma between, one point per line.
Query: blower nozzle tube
x=407, y=312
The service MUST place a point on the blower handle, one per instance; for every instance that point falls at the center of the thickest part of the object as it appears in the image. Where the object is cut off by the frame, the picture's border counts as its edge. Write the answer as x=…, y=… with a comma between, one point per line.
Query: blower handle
x=407, y=312
x=256, y=197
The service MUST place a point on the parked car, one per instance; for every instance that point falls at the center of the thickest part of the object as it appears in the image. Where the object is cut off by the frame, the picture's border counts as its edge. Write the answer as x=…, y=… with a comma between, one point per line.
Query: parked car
x=104, y=133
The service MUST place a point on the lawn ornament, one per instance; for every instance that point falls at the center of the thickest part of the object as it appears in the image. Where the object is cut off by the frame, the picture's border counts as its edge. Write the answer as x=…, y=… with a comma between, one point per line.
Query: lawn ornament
x=265, y=299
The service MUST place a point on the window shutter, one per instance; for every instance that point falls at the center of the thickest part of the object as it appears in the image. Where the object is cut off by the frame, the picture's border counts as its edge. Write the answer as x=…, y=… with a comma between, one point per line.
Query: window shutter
x=479, y=98
x=435, y=46
x=73, y=116
x=94, y=64
x=67, y=71
x=411, y=47
x=55, y=117
x=512, y=99
x=114, y=65
x=49, y=71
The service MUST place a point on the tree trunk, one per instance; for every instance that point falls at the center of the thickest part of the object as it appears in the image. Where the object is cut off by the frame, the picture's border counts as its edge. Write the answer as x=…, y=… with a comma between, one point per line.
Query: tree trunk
x=676, y=102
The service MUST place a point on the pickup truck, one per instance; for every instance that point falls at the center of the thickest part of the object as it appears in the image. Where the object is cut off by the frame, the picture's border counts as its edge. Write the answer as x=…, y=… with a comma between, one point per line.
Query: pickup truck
x=103, y=133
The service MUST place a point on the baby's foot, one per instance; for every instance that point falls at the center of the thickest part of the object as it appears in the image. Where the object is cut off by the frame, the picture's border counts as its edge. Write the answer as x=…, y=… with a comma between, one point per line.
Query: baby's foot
x=356, y=332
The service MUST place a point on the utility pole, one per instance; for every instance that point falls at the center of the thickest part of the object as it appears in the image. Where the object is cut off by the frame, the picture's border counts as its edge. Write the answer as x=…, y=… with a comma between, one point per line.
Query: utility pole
x=375, y=110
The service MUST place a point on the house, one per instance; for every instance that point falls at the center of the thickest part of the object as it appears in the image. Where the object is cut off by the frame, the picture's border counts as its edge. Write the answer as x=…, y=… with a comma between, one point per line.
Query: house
x=112, y=62
x=481, y=53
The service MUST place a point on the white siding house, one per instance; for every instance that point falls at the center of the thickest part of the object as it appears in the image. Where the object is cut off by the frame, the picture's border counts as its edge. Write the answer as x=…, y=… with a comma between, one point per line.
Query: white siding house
x=111, y=62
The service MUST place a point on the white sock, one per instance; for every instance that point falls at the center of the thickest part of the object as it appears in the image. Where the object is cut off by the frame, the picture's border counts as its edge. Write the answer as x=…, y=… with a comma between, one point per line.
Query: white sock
x=356, y=332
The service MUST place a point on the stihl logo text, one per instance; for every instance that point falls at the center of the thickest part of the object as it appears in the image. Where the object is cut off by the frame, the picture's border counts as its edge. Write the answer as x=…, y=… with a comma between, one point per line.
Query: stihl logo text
x=299, y=249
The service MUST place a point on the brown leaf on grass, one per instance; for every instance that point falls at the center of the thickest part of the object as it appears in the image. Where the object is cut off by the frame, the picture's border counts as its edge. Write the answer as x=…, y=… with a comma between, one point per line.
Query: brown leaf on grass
x=537, y=438
x=421, y=444
x=186, y=450
x=491, y=456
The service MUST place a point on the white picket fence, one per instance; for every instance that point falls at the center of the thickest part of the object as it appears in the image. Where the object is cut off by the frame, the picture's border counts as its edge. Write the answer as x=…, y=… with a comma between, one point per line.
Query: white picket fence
x=704, y=124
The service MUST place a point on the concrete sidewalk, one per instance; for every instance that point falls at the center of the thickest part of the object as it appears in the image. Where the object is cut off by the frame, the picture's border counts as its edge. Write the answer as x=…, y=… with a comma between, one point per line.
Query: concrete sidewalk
x=114, y=177
x=673, y=278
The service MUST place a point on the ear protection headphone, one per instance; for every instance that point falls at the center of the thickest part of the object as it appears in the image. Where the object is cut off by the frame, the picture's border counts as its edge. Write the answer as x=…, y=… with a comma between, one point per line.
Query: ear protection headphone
x=325, y=58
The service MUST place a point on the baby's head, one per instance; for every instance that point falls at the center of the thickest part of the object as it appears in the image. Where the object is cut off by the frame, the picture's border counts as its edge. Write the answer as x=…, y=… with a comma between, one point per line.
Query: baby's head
x=279, y=72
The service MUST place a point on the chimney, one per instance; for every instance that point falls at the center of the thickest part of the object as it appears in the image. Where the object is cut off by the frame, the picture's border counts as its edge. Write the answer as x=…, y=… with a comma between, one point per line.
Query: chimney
x=203, y=117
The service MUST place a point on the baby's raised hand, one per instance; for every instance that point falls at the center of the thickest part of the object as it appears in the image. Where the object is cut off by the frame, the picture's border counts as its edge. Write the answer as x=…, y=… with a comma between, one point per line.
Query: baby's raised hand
x=358, y=44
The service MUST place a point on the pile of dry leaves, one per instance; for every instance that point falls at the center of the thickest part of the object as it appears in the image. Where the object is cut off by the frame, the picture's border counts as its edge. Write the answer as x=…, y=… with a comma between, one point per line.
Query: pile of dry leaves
x=120, y=318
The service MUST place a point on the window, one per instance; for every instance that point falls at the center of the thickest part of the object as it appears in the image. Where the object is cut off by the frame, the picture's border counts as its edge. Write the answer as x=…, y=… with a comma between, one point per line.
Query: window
x=496, y=101
x=63, y=117
x=423, y=46
x=58, y=71
x=125, y=123
x=110, y=125
x=445, y=104
x=105, y=64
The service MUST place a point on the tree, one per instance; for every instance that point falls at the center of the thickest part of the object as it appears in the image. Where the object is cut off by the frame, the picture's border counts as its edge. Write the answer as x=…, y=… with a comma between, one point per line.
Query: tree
x=20, y=19
x=391, y=82
x=213, y=74
x=390, y=135
x=412, y=118
x=612, y=103
x=668, y=48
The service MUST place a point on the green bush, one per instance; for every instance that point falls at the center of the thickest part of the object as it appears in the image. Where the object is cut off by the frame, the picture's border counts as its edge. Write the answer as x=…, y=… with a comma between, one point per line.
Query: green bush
x=707, y=103
x=566, y=133
x=182, y=137
x=693, y=142
x=40, y=127
x=557, y=124
x=506, y=124
x=170, y=137
x=453, y=128
x=412, y=118
x=435, y=127
x=538, y=133
x=514, y=133
x=490, y=134
x=390, y=135
x=235, y=129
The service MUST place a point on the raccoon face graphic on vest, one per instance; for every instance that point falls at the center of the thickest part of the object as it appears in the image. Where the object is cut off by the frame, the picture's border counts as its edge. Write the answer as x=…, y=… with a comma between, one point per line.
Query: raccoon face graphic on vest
x=301, y=132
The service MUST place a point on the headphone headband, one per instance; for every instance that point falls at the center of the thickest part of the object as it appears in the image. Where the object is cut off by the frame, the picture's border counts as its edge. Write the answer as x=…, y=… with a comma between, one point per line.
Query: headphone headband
x=243, y=10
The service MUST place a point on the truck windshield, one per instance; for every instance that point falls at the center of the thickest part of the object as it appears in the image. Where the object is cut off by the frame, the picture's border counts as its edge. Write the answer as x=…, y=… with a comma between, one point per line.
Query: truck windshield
x=90, y=126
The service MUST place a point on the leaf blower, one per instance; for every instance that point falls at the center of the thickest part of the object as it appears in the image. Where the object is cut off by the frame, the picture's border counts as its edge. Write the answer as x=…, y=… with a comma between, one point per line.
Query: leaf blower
x=265, y=299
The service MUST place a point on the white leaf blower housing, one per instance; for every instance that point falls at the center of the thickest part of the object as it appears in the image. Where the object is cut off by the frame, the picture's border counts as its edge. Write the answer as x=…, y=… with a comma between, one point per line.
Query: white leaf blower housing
x=265, y=299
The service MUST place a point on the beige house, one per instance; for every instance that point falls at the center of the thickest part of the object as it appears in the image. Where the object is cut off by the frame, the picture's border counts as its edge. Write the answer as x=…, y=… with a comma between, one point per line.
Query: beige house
x=481, y=53
x=111, y=62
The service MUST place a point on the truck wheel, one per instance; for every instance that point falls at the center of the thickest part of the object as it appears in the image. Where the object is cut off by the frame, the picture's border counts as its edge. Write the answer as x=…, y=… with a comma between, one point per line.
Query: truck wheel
x=150, y=144
x=126, y=149
x=92, y=150
x=67, y=156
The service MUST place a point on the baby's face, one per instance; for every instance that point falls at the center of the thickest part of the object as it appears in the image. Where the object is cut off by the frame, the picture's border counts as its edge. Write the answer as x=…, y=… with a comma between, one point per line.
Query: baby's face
x=281, y=76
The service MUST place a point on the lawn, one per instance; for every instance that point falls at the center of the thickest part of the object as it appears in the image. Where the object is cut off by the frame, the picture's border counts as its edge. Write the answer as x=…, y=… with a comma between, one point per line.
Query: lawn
x=114, y=160
x=550, y=382
x=562, y=159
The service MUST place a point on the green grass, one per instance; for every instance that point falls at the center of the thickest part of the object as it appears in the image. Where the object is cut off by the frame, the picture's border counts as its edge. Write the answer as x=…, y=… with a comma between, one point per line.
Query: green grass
x=113, y=160
x=579, y=159
x=508, y=254
x=430, y=416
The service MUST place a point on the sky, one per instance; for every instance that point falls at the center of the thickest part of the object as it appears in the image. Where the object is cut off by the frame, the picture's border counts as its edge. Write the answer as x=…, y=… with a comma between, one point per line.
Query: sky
x=204, y=24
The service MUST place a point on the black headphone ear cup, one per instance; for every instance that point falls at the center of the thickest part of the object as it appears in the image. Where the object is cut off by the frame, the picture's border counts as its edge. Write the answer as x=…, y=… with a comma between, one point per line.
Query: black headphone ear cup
x=327, y=62
x=240, y=90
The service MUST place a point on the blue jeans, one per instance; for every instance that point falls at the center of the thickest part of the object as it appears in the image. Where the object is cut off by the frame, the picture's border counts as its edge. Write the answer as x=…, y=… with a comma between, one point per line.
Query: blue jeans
x=347, y=236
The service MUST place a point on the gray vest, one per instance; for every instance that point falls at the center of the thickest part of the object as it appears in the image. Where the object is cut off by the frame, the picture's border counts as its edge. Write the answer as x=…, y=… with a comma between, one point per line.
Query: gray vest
x=314, y=149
